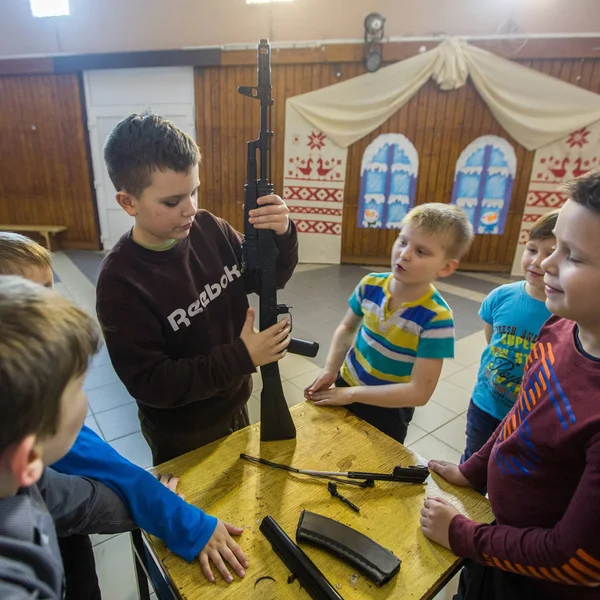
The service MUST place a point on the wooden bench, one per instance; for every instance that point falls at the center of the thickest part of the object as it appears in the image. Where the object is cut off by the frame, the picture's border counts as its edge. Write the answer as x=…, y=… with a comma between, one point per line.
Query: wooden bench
x=45, y=230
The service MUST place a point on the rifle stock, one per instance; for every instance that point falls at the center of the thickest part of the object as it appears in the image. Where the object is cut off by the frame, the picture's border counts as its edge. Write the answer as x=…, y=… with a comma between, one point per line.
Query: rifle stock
x=259, y=257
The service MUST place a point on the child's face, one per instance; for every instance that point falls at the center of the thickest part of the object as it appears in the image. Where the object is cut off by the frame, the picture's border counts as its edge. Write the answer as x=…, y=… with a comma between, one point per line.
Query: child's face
x=573, y=270
x=536, y=251
x=73, y=409
x=40, y=275
x=418, y=257
x=167, y=207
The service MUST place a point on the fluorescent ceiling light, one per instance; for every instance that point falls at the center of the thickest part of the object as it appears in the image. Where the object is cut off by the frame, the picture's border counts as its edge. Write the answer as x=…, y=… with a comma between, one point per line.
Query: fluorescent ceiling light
x=265, y=1
x=49, y=8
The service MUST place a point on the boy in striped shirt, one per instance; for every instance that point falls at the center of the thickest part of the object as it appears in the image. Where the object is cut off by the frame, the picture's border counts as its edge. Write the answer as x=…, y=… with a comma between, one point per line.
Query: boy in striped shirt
x=405, y=328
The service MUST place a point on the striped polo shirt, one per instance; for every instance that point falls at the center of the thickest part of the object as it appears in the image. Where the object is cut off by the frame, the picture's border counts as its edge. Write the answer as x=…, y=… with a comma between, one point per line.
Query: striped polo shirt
x=389, y=343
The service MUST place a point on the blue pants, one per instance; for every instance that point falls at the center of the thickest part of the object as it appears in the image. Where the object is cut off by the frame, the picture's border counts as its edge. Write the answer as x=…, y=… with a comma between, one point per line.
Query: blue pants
x=391, y=421
x=480, y=427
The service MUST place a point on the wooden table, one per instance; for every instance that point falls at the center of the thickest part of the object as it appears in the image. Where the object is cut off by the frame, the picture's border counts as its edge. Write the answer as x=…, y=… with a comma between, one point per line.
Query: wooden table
x=217, y=480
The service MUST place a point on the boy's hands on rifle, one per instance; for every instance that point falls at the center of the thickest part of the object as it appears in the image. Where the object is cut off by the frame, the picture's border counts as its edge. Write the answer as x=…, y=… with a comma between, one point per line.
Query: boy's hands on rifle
x=271, y=214
x=266, y=346
x=222, y=547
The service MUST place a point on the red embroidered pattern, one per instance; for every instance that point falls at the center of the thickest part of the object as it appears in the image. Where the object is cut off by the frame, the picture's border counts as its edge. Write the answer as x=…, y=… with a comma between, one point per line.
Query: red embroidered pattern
x=319, y=227
x=313, y=193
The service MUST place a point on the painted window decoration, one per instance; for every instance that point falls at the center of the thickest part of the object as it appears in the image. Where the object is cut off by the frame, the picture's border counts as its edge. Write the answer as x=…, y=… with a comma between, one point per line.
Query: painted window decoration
x=388, y=180
x=483, y=183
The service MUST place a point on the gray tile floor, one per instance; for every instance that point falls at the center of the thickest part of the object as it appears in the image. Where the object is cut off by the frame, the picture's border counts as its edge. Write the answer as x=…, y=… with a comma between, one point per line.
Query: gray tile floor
x=319, y=295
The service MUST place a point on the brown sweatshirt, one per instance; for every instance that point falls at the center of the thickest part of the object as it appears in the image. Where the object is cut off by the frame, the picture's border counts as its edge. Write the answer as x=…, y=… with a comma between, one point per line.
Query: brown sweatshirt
x=172, y=321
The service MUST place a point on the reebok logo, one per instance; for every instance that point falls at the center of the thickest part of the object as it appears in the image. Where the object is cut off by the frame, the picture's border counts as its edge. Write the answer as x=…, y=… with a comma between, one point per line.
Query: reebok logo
x=211, y=291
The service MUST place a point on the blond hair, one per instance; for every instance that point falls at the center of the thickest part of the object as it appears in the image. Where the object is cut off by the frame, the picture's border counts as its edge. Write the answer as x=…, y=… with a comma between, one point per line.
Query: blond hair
x=45, y=342
x=446, y=221
x=18, y=252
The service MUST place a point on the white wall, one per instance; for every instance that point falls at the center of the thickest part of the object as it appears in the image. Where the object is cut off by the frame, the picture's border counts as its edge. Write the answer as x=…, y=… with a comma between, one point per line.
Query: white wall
x=125, y=25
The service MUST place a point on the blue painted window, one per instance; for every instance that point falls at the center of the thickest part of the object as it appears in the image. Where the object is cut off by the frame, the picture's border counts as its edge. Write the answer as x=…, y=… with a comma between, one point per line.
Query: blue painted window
x=388, y=181
x=483, y=183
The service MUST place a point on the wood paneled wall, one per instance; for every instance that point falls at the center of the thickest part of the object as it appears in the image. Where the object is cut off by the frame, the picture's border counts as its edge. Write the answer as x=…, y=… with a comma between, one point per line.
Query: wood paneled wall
x=44, y=169
x=225, y=121
x=440, y=125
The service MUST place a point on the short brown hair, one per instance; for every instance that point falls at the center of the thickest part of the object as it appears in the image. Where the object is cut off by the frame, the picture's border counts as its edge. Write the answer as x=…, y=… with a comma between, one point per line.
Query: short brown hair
x=18, y=252
x=46, y=342
x=543, y=228
x=446, y=220
x=585, y=190
x=144, y=143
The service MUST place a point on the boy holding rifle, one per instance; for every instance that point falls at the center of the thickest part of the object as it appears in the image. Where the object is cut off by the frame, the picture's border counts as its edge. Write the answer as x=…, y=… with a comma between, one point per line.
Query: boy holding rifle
x=171, y=294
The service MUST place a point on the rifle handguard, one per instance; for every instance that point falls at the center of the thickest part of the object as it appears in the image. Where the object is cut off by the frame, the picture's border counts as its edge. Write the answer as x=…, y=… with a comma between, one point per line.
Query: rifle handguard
x=307, y=573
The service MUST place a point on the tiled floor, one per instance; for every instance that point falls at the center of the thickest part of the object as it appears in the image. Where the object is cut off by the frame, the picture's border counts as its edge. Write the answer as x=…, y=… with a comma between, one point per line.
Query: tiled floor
x=319, y=296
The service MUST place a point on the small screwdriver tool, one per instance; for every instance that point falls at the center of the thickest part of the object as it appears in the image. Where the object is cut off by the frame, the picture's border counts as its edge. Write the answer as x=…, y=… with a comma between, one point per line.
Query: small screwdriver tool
x=333, y=491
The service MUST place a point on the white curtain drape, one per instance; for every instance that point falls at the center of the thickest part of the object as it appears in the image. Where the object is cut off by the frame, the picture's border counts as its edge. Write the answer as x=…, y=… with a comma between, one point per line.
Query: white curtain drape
x=533, y=108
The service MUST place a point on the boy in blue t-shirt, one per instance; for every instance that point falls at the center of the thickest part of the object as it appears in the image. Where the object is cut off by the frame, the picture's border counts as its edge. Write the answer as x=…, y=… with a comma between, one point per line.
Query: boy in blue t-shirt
x=513, y=315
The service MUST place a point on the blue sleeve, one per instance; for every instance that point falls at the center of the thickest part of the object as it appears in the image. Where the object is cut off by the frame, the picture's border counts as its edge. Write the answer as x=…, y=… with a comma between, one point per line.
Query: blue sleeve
x=486, y=312
x=355, y=300
x=184, y=528
x=437, y=338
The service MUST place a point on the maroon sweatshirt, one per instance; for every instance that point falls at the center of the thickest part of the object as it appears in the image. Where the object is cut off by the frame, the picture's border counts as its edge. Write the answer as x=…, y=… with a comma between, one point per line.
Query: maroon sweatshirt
x=542, y=471
x=172, y=320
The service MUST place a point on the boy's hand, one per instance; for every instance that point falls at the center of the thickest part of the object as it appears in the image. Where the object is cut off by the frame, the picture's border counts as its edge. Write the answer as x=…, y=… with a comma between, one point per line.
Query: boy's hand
x=324, y=381
x=266, y=346
x=171, y=482
x=450, y=472
x=335, y=396
x=221, y=546
x=272, y=214
x=436, y=515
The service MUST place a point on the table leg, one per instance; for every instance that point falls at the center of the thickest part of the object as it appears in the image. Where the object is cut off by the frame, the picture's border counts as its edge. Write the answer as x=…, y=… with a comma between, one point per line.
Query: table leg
x=46, y=235
x=140, y=573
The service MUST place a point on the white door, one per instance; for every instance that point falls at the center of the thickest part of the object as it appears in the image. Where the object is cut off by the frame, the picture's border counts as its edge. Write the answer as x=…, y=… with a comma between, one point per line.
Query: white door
x=112, y=95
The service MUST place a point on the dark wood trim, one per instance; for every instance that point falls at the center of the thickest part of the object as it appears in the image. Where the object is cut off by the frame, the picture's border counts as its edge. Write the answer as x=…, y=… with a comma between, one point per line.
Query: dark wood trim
x=26, y=66
x=208, y=57
x=326, y=53
x=533, y=49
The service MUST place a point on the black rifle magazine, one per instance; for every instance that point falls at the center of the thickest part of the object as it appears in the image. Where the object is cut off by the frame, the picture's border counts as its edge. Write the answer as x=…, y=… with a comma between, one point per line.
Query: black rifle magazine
x=378, y=563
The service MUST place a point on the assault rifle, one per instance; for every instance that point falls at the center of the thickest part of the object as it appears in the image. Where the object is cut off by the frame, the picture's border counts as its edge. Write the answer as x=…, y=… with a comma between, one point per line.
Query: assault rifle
x=259, y=256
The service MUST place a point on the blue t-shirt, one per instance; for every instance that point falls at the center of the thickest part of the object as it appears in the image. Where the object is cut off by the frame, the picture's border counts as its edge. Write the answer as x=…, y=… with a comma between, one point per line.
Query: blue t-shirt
x=516, y=319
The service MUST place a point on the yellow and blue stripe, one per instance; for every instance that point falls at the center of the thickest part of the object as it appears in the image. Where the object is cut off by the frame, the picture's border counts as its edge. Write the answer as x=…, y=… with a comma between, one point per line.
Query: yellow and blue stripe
x=389, y=342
